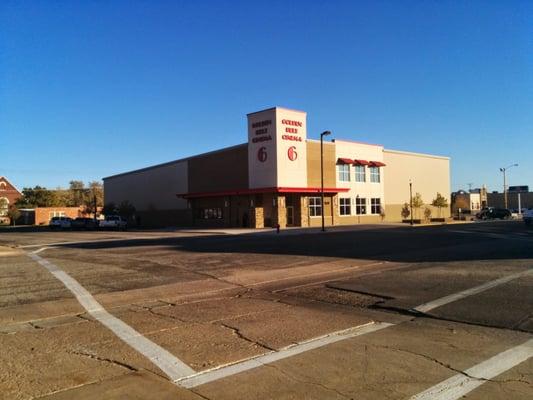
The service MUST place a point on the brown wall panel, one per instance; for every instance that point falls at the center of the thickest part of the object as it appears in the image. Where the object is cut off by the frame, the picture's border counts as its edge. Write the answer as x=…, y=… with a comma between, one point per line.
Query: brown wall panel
x=313, y=164
x=218, y=171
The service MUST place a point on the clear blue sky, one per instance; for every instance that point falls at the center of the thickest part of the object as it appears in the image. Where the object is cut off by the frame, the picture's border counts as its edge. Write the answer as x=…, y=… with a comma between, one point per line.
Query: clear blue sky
x=93, y=88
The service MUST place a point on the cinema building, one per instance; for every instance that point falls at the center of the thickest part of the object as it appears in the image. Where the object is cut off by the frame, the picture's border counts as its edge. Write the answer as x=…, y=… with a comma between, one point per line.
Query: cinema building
x=275, y=178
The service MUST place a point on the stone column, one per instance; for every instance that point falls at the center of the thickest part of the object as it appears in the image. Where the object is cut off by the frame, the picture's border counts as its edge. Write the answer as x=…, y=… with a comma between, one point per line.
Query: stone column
x=335, y=211
x=257, y=217
x=304, y=211
x=279, y=212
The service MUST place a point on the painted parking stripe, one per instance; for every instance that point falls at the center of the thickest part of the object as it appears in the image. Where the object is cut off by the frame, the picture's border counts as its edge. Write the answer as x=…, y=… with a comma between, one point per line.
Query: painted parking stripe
x=173, y=367
x=423, y=308
x=289, y=351
x=459, y=385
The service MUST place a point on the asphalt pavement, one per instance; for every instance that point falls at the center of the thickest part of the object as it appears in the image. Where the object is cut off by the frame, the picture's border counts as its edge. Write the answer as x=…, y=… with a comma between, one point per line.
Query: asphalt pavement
x=373, y=312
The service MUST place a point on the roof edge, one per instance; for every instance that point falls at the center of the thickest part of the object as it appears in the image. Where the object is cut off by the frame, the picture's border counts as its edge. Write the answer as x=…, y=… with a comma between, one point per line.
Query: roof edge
x=410, y=153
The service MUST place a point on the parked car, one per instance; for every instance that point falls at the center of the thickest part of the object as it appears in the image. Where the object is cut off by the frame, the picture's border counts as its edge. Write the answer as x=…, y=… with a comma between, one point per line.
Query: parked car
x=60, y=223
x=114, y=222
x=84, y=223
x=494, y=213
x=527, y=215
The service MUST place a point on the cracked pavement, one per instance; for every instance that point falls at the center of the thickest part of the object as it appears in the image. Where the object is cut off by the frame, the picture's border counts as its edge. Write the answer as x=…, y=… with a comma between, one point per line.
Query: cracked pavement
x=214, y=300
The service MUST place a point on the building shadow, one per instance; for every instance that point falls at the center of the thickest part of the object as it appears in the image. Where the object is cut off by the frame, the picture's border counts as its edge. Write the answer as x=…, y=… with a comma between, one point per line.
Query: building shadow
x=509, y=240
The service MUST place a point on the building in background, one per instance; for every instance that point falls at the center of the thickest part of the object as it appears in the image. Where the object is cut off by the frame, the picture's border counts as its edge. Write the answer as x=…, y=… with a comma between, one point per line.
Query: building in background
x=9, y=194
x=43, y=215
x=275, y=178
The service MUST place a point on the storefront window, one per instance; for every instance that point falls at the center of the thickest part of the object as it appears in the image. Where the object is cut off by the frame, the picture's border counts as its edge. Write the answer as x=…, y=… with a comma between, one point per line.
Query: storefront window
x=375, y=206
x=315, y=206
x=344, y=172
x=345, y=206
x=360, y=173
x=374, y=174
x=210, y=213
x=360, y=205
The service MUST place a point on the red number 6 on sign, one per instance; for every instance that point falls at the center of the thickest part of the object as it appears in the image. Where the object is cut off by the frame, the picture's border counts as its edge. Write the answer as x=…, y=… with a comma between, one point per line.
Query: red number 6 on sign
x=262, y=154
x=292, y=154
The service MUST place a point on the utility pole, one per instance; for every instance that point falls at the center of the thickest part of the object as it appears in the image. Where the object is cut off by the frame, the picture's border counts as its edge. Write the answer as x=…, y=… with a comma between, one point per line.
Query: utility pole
x=325, y=133
x=504, y=170
x=411, y=200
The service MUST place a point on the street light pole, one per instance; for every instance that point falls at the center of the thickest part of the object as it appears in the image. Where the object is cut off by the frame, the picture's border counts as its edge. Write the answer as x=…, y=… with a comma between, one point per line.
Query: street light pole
x=411, y=200
x=325, y=133
x=503, y=170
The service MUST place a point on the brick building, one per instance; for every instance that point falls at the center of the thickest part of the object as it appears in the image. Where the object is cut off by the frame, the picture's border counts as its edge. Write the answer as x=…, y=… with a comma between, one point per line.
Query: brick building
x=9, y=194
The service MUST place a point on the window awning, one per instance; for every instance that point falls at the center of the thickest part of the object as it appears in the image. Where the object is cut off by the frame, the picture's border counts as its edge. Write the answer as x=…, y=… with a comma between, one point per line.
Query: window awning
x=360, y=162
x=344, y=161
x=377, y=164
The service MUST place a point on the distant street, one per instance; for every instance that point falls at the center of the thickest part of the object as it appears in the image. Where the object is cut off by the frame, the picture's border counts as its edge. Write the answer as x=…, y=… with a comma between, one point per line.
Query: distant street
x=369, y=312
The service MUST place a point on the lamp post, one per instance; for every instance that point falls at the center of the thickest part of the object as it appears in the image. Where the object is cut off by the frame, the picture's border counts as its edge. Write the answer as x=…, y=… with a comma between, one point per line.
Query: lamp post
x=503, y=170
x=325, y=133
x=411, y=200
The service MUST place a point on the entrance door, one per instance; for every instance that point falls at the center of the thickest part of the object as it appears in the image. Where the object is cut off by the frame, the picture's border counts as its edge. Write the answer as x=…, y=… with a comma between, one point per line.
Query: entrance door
x=290, y=215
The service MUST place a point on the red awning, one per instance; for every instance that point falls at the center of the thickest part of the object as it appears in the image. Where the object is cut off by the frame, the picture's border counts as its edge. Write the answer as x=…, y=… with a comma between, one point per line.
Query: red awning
x=344, y=161
x=360, y=162
x=261, y=190
x=377, y=164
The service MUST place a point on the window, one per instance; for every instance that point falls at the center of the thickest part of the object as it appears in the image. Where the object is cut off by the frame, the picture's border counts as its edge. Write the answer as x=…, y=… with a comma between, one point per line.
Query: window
x=57, y=214
x=3, y=186
x=360, y=173
x=344, y=172
x=210, y=213
x=375, y=206
x=374, y=174
x=345, y=206
x=4, y=206
x=360, y=205
x=315, y=206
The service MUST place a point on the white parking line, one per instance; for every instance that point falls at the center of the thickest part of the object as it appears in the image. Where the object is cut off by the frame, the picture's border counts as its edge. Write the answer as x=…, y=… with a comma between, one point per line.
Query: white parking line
x=459, y=385
x=173, y=367
x=469, y=292
x=182, y=375
x=29, y=246
x=289, y=351
x=38, y=251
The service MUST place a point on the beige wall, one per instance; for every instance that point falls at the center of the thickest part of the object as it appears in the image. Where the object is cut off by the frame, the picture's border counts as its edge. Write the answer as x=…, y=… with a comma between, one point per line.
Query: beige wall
x=150, y=189
x=429, y=175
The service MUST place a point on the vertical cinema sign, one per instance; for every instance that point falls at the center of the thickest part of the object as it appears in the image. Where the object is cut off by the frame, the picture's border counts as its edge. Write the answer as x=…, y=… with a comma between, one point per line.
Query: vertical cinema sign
x=291, y=148
x=277, y=154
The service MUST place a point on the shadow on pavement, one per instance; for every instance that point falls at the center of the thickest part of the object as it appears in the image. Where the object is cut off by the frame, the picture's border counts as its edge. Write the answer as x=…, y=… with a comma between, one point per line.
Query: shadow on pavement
x=397, y=244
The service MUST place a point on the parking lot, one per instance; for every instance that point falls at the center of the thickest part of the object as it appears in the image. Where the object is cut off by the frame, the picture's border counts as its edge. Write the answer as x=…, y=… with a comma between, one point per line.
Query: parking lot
x=373, y=312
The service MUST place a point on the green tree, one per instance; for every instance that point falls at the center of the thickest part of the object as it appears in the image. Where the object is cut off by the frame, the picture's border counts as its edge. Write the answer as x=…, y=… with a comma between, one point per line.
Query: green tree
x=77, y=193
x=439, y=202
x=13, y=213
x=427, y=213
x=95, y=191
x=418, y=203
x=109, y=209
x=405, y=211
x=37, y=197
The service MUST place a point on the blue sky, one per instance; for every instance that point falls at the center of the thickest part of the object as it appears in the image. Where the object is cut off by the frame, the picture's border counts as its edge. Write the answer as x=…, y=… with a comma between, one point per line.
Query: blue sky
x=93, y=88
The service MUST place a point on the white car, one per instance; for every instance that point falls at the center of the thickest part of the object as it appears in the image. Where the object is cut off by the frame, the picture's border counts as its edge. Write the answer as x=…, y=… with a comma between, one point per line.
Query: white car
x=60, y=223
x=527, y=216
x=114, y=222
